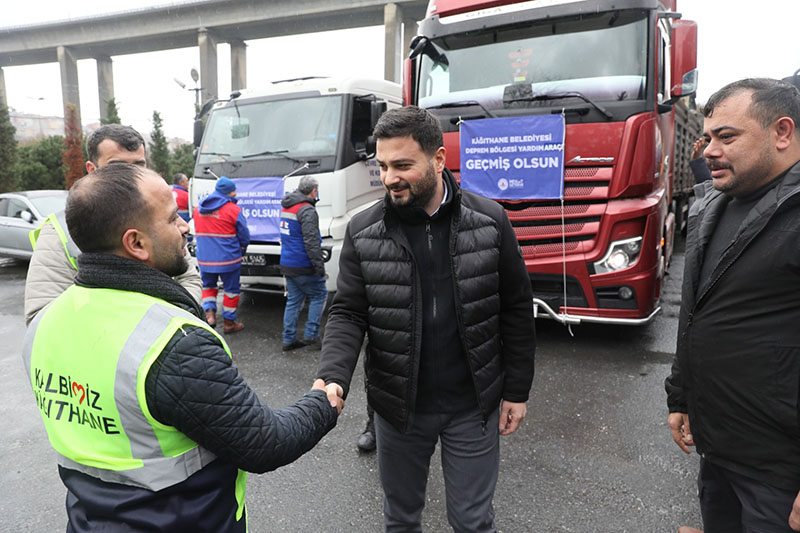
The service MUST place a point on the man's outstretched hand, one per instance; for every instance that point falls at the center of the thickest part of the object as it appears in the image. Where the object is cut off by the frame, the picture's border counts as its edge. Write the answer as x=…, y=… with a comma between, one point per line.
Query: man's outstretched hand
x=334, y=393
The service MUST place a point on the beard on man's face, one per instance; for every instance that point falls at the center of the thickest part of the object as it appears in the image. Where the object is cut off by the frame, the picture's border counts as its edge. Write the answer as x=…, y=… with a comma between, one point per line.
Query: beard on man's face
x=174, y=265
x=419, y=193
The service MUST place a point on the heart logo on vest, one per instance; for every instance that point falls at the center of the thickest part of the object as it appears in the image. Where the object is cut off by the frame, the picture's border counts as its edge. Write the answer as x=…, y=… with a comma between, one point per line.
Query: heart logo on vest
x=75, y=388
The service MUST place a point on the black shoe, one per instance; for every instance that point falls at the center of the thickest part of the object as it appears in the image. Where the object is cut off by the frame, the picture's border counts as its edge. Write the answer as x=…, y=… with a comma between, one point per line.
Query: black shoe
x=314, y=344
x=295, y=344
x=366, y=441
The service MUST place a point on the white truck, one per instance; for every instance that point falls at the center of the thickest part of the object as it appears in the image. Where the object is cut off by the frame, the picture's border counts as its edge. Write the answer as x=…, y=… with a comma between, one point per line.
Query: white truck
x=266, y=140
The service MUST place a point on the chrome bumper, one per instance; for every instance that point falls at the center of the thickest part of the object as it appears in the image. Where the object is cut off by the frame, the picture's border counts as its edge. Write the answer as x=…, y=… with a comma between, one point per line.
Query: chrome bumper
x=540, y=305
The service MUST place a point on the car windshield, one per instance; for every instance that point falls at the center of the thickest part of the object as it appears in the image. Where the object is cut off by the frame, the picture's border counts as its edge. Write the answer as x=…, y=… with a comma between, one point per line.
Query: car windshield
x=49, y=203
x=603, y=57
x=297, y=128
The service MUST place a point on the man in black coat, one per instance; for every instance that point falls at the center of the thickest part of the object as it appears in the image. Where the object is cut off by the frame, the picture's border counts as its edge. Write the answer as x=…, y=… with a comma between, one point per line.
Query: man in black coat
x=434, y=274
x=733, y=390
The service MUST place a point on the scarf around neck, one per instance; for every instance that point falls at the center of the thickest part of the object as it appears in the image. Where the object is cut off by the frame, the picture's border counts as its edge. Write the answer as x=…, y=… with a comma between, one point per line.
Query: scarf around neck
x=109, y=271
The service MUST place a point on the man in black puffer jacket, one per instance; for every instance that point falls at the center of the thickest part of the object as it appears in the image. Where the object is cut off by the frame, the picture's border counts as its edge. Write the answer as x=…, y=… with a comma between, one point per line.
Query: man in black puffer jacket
x=153, y=426
x=434, y=274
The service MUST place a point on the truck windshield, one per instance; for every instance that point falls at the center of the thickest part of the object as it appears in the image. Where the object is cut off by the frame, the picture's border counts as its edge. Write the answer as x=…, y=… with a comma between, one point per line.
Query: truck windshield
x=296, y=128
x=602, y=57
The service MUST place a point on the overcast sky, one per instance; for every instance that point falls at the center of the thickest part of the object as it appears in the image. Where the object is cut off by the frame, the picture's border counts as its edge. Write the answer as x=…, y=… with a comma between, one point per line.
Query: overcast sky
x=737, y=39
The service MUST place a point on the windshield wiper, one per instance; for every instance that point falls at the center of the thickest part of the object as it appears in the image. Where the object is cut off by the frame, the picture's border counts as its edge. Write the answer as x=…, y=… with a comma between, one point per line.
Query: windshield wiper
x=559, y=96
x=463, y=103
x=215, y=153
x=281, y=153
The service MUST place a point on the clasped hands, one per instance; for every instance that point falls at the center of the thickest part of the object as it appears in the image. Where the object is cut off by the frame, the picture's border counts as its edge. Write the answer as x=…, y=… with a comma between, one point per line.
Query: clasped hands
x=334, y=392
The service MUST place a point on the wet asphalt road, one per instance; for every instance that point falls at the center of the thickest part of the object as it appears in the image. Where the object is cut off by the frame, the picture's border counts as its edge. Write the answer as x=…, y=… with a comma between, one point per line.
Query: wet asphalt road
x=593, y=455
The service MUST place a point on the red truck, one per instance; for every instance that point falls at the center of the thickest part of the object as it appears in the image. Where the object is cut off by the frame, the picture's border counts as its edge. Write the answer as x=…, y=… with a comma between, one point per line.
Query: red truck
x=617, y=70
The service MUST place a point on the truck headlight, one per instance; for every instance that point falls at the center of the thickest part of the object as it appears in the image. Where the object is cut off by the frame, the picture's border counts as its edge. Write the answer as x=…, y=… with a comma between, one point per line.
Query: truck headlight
x=620, y=254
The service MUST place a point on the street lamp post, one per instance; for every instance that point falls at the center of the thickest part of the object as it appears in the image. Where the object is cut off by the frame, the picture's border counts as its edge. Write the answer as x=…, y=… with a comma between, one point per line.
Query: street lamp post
x=195, y=78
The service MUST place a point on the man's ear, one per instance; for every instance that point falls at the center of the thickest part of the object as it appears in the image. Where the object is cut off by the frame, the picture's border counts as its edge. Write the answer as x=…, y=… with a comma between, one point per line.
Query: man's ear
x=439, y=158
x=90, y=167
x=784, y=130
x=135, y=244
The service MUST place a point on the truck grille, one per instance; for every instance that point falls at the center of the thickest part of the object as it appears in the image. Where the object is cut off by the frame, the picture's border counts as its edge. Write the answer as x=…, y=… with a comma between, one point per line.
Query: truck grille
x=537, y=223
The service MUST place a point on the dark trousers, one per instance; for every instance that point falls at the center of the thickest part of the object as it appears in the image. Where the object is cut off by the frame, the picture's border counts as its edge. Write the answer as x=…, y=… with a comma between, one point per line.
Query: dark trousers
x=731, y=502
x=470, y=462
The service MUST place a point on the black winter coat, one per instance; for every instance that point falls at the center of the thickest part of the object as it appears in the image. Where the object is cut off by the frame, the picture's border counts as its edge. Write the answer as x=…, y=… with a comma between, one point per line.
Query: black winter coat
x=379, y=292
x=737, y=366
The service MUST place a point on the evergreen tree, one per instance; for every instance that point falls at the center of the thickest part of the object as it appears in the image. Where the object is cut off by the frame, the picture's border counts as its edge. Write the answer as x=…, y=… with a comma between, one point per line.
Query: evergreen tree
x=112, y=114
x=182, y=160
x=39, y=164
x=8, y=152
x=159, y=149
x=74, y=163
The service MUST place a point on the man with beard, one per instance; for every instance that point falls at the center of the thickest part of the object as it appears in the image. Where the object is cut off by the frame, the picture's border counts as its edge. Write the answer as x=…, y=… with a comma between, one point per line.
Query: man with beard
x=434, y=274
x=153, y=426
x=733, y=390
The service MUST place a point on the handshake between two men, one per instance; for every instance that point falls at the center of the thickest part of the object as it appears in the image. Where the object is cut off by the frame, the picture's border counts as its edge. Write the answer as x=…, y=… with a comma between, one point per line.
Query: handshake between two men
x=334, y=393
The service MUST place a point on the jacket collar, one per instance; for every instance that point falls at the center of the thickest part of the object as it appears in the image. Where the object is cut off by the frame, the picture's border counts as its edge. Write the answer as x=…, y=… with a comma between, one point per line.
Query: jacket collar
x=711, y=204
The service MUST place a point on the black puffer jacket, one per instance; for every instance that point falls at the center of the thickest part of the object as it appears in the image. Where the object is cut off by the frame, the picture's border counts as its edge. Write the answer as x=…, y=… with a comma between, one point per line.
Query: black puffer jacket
x=194, y=387
x=737, y=366
x=378, y=290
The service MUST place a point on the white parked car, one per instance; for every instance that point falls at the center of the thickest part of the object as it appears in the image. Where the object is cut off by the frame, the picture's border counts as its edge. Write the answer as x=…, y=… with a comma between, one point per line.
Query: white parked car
x=21, y=212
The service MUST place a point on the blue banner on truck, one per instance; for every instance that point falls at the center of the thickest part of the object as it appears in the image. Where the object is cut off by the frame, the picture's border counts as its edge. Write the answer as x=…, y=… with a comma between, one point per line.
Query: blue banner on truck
x=260, y=200
x=514, y=158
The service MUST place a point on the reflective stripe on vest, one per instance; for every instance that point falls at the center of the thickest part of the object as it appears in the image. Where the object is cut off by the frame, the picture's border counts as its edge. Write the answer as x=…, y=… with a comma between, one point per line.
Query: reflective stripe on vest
x=59, y=222
x=105, y=429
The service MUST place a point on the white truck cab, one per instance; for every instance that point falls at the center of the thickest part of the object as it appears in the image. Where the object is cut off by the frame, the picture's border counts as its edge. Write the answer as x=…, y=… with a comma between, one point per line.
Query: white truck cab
x=267, y=139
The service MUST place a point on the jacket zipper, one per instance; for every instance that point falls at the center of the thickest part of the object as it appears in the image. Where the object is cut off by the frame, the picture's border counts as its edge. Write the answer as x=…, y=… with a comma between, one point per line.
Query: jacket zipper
x=430, y=257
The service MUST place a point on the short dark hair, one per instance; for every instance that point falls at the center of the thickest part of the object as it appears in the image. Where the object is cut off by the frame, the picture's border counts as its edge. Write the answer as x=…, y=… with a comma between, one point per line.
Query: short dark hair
x=103, y=205
x=125, y=136
x=178, y=178
x=414, y=122
x=771, y=100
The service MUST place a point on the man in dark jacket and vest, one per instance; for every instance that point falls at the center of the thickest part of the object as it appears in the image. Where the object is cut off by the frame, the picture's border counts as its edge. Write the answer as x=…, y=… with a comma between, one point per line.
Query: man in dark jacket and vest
x=222, y=238
x=153, y=426
x=733, y=390
x=302, y=264
x=434, y=274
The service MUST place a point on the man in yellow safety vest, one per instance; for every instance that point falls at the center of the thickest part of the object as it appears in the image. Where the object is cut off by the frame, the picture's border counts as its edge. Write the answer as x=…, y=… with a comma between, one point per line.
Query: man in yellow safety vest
x=153, y=426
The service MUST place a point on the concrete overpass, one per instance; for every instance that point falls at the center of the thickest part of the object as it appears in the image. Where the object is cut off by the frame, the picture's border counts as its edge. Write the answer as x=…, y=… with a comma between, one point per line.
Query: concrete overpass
x=203, y=24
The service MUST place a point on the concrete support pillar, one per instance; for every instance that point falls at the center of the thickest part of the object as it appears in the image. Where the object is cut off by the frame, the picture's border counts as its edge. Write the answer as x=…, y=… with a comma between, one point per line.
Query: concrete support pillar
x=105, y=83
x=208, y=64
x=393, y=24
x=3, y=96
x=69, y=79
x=409, y=32
x=238, y=65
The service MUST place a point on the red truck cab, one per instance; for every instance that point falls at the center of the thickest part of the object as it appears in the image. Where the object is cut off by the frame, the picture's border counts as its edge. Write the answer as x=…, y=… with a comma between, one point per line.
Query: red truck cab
x=614, y=69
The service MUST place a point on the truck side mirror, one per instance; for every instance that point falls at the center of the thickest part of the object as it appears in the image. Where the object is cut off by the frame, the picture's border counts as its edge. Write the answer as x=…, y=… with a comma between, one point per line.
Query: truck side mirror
x=684, y=58
x=376, y=109
x=198, y=132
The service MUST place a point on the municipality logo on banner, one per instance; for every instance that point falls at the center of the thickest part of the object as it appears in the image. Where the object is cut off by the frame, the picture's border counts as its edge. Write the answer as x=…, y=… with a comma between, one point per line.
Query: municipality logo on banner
x=514, y=158
x=260, y=200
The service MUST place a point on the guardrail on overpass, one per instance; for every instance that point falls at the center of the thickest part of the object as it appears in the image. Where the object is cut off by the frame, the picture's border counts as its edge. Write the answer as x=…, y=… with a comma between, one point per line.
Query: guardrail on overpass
x=202, y=24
